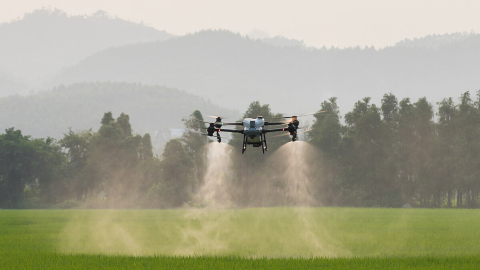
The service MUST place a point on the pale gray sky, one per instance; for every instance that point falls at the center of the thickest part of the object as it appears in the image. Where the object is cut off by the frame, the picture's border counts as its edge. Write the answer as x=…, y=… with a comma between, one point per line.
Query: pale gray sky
x=339, y=23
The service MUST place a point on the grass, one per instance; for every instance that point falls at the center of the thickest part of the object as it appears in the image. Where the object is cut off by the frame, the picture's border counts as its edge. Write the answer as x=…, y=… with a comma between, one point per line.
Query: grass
x=261, y=238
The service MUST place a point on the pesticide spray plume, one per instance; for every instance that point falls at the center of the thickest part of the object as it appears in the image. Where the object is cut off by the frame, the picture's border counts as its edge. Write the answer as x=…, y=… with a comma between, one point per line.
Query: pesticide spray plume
x=216, y=228
x=214, y=192
x=295, y=166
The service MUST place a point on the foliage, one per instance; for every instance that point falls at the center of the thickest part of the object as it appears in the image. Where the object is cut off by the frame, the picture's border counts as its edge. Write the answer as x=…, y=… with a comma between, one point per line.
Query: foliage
x=35, y=164
x=399, y=155
x=195, y=143
x=177, y=172
x=382, y=156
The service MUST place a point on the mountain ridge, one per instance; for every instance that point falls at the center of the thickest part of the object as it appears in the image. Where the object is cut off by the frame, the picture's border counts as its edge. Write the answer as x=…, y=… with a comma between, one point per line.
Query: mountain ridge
x=46, y=40
x=290, y=79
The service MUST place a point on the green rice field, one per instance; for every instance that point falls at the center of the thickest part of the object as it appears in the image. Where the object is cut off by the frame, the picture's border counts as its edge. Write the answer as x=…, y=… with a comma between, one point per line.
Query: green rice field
x=255, y=238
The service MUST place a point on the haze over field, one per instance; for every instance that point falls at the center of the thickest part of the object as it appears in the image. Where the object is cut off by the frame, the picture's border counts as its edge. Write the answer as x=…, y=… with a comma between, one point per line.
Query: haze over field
x=364, y=106
x=67, y=67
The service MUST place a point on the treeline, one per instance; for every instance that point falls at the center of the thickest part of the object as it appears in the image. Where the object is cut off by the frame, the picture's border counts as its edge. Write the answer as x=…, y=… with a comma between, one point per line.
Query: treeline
x=402, y=152
x=110, y=168
x=397, y=153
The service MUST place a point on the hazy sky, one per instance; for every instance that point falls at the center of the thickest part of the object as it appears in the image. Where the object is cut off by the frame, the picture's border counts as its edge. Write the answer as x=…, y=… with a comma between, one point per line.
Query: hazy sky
x=317, y=23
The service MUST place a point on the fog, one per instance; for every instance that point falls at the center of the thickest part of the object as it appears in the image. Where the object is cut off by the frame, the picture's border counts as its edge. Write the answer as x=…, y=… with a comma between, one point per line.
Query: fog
x=48, y=48
x=161, y=66
x=218, y=227
x=62, y=70
x=331, y=23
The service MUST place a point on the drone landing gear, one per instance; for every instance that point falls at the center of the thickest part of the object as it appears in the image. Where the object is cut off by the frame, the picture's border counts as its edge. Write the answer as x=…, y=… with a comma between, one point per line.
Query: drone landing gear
x=262, y=138
x=264, y=142
x=244, y=147
x=219, y=139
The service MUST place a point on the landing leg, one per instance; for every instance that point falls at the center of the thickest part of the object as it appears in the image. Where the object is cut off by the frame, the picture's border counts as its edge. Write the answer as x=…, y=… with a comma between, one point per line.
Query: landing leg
x=263, y=147
x=265, y=141
x=244, y=146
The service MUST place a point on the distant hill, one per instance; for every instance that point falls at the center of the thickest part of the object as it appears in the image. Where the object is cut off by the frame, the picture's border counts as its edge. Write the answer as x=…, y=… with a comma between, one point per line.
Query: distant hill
x=44, y=41
x=81, y=106
x=233, y=70
x=284, y=42
x=437, y=41
x=279, y=41
x=10, y=86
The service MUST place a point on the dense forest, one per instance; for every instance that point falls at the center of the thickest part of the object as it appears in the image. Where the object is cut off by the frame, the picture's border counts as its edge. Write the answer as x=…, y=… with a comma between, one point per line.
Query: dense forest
x=399, y=152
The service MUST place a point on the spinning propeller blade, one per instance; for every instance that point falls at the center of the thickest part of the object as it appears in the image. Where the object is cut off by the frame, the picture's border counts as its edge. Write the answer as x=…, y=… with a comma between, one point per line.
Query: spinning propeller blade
x=223, y=124
x=216, y=117
x=285, y=134
x=304, y=131
x=293, y=116
x=201, y=133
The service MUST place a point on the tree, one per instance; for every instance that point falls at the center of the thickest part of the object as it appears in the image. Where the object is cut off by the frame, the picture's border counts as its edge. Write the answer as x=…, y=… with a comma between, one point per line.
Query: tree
x=368, y=175
x=444, y=160
x=466, y=147
x=79, y=150
x=326, y=135
x=195, y=143
x=113, y=164
x=177, y=174
x=25, y=161
x=326, y=129
x=146, y=151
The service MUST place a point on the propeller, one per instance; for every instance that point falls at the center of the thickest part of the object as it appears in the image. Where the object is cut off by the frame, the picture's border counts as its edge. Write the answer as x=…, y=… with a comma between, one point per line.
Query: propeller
x=288, y=133
x=283, y=134
x=213, y=116
x=201, y=133
x=295, y=116
x=218, y=119
x=304, y=131
x=203, y=121
x=222, y=123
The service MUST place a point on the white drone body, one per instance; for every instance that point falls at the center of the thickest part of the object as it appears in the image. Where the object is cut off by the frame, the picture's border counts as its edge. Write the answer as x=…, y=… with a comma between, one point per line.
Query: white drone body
x=253, y=130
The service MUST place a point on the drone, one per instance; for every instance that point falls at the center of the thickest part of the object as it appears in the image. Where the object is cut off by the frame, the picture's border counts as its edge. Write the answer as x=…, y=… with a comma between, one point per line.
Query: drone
x=254, y=129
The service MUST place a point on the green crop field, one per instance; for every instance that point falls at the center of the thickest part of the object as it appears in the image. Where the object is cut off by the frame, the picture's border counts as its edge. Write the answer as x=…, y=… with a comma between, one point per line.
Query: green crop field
x=260, y=238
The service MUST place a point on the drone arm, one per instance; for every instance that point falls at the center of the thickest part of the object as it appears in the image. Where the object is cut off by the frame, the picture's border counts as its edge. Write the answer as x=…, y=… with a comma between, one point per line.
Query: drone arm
x=275, y=123
x=275, y=130
x=231, y=130
x=233, y=124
